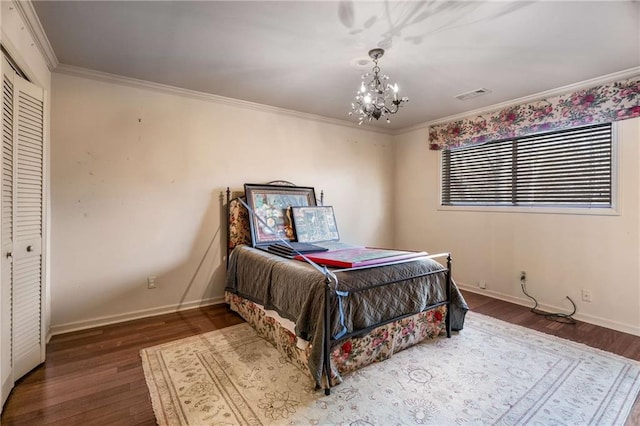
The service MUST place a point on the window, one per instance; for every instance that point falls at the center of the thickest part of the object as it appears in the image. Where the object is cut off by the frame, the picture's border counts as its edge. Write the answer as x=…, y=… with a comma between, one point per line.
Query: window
x=570, y=168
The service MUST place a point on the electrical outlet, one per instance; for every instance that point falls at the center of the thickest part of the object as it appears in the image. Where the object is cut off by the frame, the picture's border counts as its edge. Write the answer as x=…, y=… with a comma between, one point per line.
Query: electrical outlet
x=523, y=275
x=586, y=295
x=151, y=282
x=482, y=284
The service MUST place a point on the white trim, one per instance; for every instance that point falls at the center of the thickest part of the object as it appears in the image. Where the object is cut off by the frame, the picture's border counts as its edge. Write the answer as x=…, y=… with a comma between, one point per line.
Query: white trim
x=133, y=82
x=604, y=211
x=143, y=313
x=7, y=386
x=616, y=168
x=172, y=90
x=30, y=17
x=591, y=319
x=46, y=223
x=620, y=75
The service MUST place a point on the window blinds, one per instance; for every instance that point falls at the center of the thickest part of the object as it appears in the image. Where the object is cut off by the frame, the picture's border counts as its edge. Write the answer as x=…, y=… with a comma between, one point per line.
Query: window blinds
x=571, y=168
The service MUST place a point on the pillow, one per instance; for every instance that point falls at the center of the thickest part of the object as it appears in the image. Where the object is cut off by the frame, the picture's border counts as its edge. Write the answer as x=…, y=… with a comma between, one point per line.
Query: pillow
x=239, y=226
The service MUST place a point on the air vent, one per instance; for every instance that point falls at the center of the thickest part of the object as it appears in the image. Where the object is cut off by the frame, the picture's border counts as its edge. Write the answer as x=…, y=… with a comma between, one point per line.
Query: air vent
x=473, y=94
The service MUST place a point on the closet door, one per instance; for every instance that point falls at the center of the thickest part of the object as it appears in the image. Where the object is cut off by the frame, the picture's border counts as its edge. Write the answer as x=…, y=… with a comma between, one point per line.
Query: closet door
x=6, y=233
x=22, y=218
x=28, y=342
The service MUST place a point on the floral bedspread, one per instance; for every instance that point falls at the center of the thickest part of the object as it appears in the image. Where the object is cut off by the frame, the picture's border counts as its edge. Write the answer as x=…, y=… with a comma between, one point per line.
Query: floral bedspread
x=296, y=291
x=352, y=353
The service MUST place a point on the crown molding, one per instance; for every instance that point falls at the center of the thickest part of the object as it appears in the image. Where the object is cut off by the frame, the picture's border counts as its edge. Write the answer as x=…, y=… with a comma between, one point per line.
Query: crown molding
x=586, y=84
x=33, y=24
x=202, y=96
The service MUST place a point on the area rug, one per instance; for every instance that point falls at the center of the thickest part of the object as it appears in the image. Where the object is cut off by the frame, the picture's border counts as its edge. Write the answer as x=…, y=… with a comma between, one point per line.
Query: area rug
x=492, y=372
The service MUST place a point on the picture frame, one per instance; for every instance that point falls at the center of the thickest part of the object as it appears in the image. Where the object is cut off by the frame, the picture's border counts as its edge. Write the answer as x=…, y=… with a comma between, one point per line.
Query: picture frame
x=313, y=224
x=271, y=204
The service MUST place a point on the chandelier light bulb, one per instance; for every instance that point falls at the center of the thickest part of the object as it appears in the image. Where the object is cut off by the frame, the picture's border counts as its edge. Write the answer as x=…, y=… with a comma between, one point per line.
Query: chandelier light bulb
x=372, y=103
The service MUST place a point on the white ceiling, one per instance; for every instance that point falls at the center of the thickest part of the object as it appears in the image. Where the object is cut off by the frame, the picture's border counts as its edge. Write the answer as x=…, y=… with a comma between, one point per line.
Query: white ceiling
x=304, y=55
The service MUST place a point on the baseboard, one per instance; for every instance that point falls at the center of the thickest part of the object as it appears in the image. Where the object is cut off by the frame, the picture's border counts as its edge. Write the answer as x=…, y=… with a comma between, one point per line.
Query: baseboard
x=144, y=313
x=7, y=385
x=97, y=322
x=591, y=319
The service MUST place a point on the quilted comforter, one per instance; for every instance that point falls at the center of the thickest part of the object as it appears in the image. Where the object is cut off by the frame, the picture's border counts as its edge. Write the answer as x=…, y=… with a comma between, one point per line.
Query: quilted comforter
x=295, y=290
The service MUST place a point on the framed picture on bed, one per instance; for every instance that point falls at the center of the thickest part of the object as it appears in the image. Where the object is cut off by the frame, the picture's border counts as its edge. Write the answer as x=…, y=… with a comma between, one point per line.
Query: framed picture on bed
x=313, y=224
x=271, y=220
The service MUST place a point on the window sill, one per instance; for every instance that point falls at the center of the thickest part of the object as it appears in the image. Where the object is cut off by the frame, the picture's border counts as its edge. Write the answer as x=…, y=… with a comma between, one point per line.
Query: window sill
x=596, y=211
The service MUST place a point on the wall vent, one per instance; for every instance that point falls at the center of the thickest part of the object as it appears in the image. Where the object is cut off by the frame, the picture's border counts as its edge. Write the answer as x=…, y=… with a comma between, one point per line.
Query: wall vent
x=472, y=94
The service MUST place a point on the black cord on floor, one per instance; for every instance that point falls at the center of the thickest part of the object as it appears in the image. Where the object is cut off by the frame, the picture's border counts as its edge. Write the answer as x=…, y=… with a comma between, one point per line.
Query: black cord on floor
x=558, y=317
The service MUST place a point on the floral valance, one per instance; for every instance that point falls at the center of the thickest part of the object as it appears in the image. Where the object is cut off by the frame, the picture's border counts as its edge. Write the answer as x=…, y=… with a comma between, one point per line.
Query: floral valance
x=615, y=101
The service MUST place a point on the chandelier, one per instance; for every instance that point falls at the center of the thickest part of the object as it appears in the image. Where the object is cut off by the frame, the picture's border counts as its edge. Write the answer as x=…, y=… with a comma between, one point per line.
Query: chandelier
x=377, y=98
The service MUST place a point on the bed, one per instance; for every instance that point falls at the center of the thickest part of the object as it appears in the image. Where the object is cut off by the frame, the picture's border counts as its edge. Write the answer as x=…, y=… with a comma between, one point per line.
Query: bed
x=372, y=313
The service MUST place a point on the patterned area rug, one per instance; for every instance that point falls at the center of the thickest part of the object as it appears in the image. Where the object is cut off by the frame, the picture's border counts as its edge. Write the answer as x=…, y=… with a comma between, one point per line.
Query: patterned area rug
x=491, y=372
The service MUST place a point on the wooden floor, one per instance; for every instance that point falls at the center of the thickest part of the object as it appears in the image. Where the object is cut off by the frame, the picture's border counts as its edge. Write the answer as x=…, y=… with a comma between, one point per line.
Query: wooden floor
x=95, y=377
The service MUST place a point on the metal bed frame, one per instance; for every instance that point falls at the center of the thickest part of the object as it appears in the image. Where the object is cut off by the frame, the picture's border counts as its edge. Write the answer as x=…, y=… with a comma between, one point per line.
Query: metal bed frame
x=330, y=292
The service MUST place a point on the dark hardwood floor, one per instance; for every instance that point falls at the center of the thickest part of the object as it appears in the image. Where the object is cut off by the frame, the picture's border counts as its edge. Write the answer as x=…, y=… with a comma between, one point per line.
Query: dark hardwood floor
x=95, y=377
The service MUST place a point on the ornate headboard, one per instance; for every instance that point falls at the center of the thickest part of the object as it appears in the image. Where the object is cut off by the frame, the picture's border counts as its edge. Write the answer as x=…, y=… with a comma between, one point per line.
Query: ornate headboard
x=238, y=220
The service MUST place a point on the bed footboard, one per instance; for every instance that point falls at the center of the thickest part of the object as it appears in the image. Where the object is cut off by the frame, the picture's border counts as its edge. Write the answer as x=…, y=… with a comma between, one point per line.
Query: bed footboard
x=330, y=342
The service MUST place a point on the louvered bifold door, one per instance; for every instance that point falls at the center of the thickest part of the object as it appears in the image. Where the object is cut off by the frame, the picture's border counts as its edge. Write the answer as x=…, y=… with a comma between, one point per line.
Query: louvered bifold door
x=6, y=232
x=28, y=342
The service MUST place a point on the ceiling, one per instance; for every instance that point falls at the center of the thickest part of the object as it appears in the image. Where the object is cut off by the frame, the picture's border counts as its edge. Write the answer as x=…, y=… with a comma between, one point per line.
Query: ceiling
x=308, y=56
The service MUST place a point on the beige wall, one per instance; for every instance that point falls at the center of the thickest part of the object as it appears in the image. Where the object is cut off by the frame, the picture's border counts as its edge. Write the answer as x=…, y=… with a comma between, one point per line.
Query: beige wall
x=562, y=254
x=137, y=178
